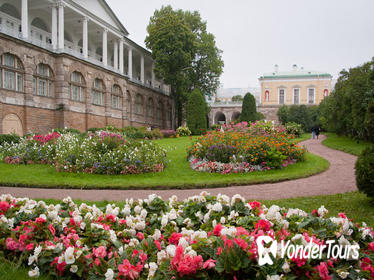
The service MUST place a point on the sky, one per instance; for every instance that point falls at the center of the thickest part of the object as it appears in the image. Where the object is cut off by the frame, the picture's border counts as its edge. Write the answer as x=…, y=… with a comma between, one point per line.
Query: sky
x=254, y=35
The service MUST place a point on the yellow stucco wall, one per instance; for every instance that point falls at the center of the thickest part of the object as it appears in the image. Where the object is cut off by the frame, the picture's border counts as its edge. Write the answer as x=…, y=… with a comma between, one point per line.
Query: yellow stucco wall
x=273, y=86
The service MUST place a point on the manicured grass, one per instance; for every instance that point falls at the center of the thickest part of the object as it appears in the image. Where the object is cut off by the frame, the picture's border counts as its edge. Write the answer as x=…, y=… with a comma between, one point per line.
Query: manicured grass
x=178, y=174
x=344, y=144
x=303, y=137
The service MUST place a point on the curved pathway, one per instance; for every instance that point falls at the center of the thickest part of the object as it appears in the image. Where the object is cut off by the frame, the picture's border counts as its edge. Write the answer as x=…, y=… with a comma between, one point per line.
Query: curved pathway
x=339, y=178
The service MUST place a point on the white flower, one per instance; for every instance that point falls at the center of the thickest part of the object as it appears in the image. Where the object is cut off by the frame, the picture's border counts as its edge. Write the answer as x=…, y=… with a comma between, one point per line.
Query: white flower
x=217, y=207
x=274, y=277
x=34, y=272
x=286, y=267
x=69, y=255
x=322, y=211
x=74, y=268
x=183, y=242
x=170, y=249
x=109, y=274
x=343, y=274
x=164, y=221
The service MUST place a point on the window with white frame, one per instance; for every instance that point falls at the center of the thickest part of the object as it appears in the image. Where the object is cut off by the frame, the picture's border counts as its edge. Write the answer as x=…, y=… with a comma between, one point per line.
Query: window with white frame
x=150, y=106
x=43, y=81
x=77, y=87
x=296, y=96
x=11, y=72
x=281, y=95
x=97, y=93
x=138, y=104
x=311, y=95
x=116, y=97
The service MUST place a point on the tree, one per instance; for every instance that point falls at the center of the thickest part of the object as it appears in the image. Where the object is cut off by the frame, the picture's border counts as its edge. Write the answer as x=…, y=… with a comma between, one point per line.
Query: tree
x=196, y=111
x=283, y=114
x=185, y=54
x=249, y=112
x=237, y=98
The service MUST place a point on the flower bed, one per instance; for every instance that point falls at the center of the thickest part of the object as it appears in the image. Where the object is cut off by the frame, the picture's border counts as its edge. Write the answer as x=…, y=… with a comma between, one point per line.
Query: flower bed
x=241, y=148
x=100, y=153
x=203, y=237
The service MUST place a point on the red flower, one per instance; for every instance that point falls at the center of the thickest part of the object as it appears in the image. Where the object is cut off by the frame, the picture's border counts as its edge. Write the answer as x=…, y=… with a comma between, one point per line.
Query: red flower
x=174, y=238
x=263, y=224
x=52, y=229
x=217, y=230
x=323, y=271
x=4, y=206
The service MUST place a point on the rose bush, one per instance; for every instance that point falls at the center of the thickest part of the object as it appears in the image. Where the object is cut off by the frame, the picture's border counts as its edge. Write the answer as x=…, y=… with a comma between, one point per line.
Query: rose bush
x=101, y=153
x=244, y=148
x=202, y=237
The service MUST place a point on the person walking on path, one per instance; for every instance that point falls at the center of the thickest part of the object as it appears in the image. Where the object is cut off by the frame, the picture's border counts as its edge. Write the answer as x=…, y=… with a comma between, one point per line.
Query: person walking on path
x=317, y=131
x=313, y=131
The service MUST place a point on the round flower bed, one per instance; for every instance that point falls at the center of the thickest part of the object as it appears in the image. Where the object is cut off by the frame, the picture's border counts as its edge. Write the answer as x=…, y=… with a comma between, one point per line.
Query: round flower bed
x=203, y=237
x=241, y=148
x=101, y=153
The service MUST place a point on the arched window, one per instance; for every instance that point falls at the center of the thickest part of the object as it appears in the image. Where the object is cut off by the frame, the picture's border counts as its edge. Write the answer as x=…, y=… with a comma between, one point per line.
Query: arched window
x=138, y=104
x=116, y=97
x=169, y=113
x=150, y=106
x=42, y=83
x=11, y=72
x=97, y=94
x=77, y=87
x=325, y=92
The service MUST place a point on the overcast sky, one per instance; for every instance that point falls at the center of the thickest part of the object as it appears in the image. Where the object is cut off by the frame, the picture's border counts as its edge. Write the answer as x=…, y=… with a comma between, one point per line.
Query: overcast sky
x=320, y=35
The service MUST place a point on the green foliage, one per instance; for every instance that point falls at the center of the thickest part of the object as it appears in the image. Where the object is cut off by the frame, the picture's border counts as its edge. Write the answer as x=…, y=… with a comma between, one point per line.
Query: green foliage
x=196, y=113
x=369, y=122
x=345, y=111
x=365, y=172
x=249, y=112
x=294, y=128
x=9, y=138
x=306, y=116
x=185, y=54
x=215, y=127
x=237, y=98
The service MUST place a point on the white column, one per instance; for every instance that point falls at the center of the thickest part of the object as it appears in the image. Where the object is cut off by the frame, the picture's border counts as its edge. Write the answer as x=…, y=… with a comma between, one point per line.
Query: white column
x=25, y=20
x=54, y=27
x=105, y=47
x=130, y=62
x=61, y=27
x=121, y=56
x=85, y=37
x=142, y=68
x=115, y=55
x=153, y=75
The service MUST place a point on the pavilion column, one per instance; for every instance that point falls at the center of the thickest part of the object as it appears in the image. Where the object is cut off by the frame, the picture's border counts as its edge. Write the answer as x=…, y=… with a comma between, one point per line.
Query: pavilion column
x=121, y=56
x=25, y=20
x=61, y=27
x=85, y=37
x=105, y=47
x=130, y=62
x=142, y=69
x=115, y=55
x=54, y=27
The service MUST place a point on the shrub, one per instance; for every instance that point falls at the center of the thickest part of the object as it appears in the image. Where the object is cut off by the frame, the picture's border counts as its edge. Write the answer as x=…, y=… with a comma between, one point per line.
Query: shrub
x=101, y=152
x=67, y=130
x=249, y=113
x=294, y=128
x=183, y=131
x=215, y=127
x=307, y=116
x=365, y=172
x=9, y=138
x=196, y=111
x=369, y=122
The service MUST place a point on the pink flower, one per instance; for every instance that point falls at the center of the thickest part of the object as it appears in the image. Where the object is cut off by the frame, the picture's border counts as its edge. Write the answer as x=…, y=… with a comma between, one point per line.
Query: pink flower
x=11, y=244
x=174, y=238
x=371, y=246
x=217, y=230
x=29, y=247
x=40, y=220
x=158, y=244
x=186, y=264
x=100, y=252
x=4, y=206
x=128, y=270
x=323, y=271
x=263, y=224
x=140, y=235
x=52, y=229
x=209, y=264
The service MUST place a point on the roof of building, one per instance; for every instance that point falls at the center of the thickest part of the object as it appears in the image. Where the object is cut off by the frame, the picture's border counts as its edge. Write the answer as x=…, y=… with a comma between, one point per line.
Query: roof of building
x=295, y=74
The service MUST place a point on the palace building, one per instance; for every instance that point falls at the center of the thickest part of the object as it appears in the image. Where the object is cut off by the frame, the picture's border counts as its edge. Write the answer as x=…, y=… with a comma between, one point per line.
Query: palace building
x=70, y=63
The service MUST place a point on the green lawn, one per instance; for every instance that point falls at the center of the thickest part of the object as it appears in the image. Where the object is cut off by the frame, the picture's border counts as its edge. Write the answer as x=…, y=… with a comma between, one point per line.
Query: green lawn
x=178, y=174
x=344, y=144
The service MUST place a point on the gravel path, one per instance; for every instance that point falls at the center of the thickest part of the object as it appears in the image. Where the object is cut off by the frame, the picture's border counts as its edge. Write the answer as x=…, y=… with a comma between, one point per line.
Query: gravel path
x=339, y=178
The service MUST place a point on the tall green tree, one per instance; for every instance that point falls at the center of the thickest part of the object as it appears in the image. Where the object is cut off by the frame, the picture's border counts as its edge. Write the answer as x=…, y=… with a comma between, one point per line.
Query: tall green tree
x=249, y=111
x=196, y=111
x=237, y=98
x=185, y=54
